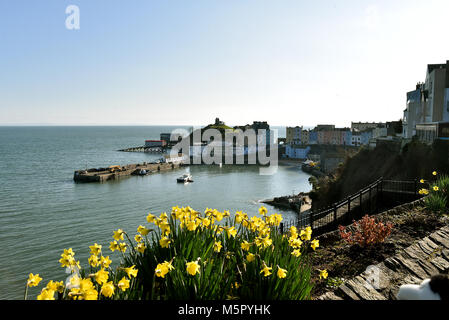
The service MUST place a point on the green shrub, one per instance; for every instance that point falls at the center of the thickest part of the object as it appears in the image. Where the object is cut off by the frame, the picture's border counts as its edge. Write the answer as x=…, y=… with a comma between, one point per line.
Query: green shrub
x=436, y=202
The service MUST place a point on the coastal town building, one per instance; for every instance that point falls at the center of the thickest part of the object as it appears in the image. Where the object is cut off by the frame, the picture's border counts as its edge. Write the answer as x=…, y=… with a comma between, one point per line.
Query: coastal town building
x=362, y=126
x=155, y=143
x=293, y=135
x=427, y=107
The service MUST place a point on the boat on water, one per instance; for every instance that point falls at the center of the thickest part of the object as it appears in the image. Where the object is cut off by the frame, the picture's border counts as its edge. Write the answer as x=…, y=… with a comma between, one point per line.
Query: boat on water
x=142, y=172
x=185, y=178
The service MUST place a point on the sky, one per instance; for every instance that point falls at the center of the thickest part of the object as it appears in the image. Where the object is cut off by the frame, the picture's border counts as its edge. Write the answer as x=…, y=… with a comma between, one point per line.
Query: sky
x=155, y=62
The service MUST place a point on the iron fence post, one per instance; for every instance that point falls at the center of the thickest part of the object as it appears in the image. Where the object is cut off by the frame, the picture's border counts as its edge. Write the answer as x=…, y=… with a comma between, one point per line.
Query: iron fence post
x=369, y=200
x=349, y=205
x=335, y=212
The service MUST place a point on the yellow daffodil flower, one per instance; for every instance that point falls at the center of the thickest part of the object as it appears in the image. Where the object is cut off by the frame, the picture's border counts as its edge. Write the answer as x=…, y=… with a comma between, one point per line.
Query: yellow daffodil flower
x=193, y=267
x=231, y=232
x=33, y=280
x=105, y=261
x=118, y=235
x=122, y=247
x=123, y=284
x=245, y=245
x=114, y=246
x=266, y=270
x=296, y=252
x=217, y=246
x=250, y=257
x=101, y=276
x=142, y=230
x=141, y=247
x=151, y=218
x=164, y=242
x=108, y=289
x=323, y=274
x=282, y=273
x=131, y=271
x=93, y=261
x=314, y=244
x=95, y=249
x=46, y=294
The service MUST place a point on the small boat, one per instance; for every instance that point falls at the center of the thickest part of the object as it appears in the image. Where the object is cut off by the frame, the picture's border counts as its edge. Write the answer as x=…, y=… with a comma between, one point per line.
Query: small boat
x=142, y=172
x=185, y=178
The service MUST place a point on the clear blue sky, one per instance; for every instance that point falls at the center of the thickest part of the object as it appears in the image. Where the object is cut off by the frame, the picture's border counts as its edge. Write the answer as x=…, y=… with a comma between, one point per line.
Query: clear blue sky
x=187, y=62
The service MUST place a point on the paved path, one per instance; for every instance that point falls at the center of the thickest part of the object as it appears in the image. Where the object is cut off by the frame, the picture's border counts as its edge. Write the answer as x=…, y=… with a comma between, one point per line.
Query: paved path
x=412, y=265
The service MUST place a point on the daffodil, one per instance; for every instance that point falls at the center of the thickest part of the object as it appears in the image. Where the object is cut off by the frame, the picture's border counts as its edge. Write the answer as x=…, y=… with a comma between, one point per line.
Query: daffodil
x=435, y=188
x=55, y=286
x=239, y=217
x=217, y=246
x=263, y=211
x=33, y=280
x=191, y=225
x=101, y=276
x=131, y=271
x=323, y=274
x=46, y=294
x=296, y=252
x=108, y=289
x=151, y=218
x=95, y=249
x=142, y=230
x=93, y=261
x=266, y=270
x=68, y=258
x=164, y=242
x=206, y=222
x=250, y=257
x=245, y=245
x=105, y=261
x=123, y=284
x=295, y=242
x=282, y=273
x=193, y=267
x=163, y=268
x=314, y=244
x=122, y=247
x=421, y=181
x=138, y=238
x=231, y=232
x=118, y=235
x=114, y=246
x=217, y=215
x=306, y=234
x=423, y=191
x=434, y=173
x=141, y=247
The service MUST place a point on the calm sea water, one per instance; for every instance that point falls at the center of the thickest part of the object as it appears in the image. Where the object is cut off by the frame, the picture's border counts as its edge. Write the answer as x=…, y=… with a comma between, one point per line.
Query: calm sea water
x=42, y=211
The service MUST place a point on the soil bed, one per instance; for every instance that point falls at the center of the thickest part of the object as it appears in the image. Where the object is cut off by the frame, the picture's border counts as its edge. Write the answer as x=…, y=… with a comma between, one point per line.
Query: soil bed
x=344, y=261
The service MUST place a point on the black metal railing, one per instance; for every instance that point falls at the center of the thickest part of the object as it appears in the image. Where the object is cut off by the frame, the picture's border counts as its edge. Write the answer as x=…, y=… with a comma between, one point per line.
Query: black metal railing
x=374, y=198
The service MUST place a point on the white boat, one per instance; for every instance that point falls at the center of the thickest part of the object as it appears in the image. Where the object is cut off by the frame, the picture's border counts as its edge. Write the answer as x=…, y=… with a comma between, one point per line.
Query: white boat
x=185, y=178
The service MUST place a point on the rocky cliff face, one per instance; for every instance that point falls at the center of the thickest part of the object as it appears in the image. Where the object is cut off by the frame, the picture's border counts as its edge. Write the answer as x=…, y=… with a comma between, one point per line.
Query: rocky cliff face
x=414, y=161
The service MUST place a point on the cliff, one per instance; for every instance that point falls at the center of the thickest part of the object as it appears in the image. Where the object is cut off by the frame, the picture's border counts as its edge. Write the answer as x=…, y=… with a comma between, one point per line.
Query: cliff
x=414, y=161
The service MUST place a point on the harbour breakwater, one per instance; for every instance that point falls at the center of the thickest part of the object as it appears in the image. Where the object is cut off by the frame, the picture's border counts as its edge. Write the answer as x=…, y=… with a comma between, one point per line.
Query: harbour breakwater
x=115, y=172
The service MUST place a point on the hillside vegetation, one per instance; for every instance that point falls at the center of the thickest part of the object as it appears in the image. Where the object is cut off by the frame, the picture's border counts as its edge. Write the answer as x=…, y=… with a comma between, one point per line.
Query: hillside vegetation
x=414, y=161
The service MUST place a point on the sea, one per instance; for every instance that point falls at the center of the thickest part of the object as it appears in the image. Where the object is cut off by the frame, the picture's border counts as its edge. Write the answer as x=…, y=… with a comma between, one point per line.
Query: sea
x=43, y=211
